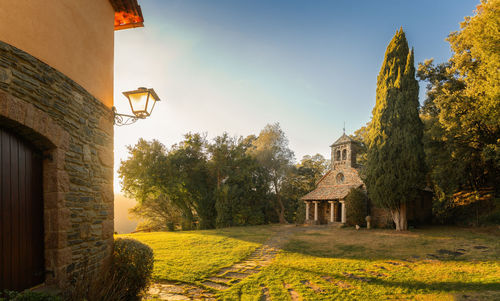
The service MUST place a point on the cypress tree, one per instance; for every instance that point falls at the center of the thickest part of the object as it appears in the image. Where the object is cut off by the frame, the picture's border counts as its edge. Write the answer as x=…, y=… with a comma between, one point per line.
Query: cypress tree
x=395, y=159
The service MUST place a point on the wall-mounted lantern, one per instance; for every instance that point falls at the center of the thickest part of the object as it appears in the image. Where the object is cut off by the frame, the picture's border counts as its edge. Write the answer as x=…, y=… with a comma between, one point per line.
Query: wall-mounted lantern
x=142, y=102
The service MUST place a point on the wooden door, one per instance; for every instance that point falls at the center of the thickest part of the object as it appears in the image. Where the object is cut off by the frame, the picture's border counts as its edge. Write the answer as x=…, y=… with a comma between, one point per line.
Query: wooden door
x=21, y=214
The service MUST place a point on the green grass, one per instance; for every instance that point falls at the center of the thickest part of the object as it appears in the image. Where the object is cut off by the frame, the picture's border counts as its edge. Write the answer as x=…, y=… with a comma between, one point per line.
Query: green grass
x=189, y=256
x=342, y=264
x=346, y=264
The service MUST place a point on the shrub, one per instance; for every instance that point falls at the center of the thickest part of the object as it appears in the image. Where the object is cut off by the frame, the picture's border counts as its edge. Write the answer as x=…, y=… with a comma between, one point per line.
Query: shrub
x=170, y=226
x=356, y=207
x=133, y=262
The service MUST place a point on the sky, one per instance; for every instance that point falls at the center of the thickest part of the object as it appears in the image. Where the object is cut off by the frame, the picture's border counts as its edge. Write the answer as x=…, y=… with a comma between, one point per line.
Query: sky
x=235, y=66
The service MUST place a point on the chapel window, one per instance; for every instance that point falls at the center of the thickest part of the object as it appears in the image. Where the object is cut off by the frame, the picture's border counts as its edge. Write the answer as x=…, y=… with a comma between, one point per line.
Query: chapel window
x=339, y=178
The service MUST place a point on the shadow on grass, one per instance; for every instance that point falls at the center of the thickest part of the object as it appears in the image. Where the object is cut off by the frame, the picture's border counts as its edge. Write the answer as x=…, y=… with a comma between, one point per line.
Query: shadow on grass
x=411, y=285
x=433, y=243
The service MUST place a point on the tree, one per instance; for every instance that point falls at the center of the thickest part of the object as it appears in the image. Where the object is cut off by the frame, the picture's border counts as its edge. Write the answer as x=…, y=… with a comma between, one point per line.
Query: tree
x=272, y=152
x=361, y=137
x=461, y=114
x=395, y=159
x=462, y=109
x=241, y=182
x=170, y=183
x=145, y=176
x=193, y=184
x=300, y=180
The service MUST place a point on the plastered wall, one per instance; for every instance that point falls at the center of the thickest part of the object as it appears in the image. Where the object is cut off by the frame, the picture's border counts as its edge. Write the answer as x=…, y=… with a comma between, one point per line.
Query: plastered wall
x=73, y=36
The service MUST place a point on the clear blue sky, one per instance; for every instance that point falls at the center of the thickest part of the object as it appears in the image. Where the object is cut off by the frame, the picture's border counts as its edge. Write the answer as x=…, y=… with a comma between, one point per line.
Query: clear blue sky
x=237, y=65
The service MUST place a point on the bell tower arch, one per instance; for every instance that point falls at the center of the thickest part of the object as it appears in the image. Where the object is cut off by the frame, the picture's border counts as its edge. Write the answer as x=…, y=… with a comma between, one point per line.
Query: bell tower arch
x=343, y=152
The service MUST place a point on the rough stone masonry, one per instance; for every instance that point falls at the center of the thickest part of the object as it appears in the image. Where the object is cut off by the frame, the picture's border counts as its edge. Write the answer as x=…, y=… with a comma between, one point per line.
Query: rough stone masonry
x=75, y=132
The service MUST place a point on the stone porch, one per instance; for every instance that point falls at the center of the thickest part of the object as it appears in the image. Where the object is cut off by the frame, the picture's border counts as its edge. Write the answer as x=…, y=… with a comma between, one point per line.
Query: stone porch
x=325, y=212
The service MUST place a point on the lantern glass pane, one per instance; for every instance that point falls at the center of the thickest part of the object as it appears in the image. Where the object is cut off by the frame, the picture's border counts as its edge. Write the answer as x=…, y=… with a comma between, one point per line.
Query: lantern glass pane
x=138, y=101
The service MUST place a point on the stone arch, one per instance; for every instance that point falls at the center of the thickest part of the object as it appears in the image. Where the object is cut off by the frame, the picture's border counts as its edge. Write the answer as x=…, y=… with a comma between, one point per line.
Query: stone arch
x=38, y=128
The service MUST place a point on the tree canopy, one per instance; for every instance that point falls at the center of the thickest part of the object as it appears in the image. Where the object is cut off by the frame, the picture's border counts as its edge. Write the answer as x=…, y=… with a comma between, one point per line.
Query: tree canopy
x=462, y=110
x=227, y=181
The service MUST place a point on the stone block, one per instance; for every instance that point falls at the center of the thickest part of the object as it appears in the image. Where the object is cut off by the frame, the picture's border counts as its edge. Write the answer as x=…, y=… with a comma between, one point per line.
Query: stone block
x=5, y=75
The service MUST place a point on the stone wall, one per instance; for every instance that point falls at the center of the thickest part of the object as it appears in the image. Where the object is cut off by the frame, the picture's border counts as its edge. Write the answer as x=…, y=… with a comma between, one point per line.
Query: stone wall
x=381, y=218
x=75, y=132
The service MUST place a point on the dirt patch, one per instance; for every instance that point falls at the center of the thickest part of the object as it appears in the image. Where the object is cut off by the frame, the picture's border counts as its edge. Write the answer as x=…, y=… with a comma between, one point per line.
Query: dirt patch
x=313, y=286
x=293, y=294
x=449, y=252
x=355, y=277
x=378, y=275
x=339, y=283
x=265, y=296
x=381, y=267
x=480, y=247
x=395, y=263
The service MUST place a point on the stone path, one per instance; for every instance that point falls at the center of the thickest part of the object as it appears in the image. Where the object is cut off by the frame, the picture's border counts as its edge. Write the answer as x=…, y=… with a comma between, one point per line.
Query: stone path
x=226, y=277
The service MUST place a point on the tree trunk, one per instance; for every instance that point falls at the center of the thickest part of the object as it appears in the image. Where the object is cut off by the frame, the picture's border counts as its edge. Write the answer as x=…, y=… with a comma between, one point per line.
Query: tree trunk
x=281, y=211
x=399, y=218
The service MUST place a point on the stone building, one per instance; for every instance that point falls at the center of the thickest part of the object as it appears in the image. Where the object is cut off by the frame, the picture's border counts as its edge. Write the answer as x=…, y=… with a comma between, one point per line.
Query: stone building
x=56, y=137
x=326, y=203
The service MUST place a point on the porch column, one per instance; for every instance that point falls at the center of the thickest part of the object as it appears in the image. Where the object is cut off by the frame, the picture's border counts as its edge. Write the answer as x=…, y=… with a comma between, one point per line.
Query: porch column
x=342, y=207
x=331, y=211
x=315, y=211
x=307, y=210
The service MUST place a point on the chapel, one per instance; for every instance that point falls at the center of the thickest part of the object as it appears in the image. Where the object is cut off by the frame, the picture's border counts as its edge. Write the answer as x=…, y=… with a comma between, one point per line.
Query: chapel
x=326, y=203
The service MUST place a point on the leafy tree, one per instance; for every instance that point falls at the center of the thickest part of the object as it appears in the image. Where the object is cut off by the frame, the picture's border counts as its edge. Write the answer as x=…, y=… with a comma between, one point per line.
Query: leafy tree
x=462, y=117
x=361, y=137
x=194, y=186
x=300, y=180
x=142, y=176
x=241, y=182
x=272, y=152
x=395, y=158
x=462, y=109
x=169, y=184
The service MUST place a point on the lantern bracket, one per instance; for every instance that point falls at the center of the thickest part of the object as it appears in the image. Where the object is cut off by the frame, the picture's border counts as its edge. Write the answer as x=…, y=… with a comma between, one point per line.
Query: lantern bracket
x=123, y=119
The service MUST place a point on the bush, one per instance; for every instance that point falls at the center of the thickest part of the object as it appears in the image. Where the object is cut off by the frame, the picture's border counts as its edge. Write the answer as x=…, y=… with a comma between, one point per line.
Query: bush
x=133, y=262
x=170, y=226
x=356, y=207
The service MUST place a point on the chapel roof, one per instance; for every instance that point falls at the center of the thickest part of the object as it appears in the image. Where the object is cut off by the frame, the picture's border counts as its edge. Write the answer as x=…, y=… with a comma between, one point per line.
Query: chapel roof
x=327, y=192
x=343, y=139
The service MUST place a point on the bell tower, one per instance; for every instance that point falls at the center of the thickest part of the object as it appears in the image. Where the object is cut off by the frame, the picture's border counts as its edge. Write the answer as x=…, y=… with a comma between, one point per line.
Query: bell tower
x=343, y=152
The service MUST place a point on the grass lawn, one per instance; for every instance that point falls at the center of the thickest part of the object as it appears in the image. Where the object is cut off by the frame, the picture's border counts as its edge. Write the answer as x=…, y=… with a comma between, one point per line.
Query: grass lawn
x=429, y=264
x=189, y=256
x=436, y=263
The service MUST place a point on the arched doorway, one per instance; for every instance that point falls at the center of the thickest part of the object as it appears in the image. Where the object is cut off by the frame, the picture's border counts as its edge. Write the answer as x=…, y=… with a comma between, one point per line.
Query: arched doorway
x=21, y=214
